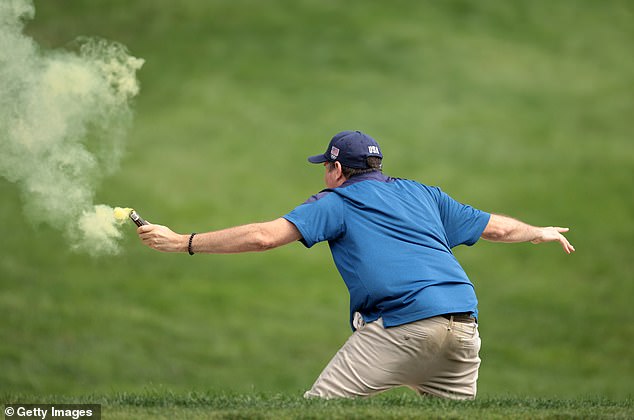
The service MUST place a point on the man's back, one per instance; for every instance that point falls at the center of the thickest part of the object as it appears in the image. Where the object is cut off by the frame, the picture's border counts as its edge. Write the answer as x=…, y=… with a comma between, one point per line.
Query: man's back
x=391, y=240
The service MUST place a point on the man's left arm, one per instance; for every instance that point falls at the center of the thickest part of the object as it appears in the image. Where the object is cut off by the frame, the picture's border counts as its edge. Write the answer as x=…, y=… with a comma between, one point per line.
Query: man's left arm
x=506, y=229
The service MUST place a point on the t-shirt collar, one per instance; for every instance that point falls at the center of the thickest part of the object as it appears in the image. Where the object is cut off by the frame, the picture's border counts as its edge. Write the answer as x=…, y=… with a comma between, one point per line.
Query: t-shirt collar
x=369, y=176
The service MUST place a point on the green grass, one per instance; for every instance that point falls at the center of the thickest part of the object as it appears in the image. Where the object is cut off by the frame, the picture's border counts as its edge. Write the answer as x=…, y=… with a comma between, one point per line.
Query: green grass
x=193, y=405
x=521, y=108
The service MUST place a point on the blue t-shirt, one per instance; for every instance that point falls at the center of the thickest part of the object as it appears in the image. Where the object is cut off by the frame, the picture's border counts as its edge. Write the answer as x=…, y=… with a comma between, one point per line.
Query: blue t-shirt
x=391, y=241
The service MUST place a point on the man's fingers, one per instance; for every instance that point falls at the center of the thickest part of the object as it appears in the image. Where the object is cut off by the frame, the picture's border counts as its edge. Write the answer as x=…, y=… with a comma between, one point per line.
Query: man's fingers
x=566, y=245
x=570, y=248
x=553, y=233
x=145, y=229
x=159, y=237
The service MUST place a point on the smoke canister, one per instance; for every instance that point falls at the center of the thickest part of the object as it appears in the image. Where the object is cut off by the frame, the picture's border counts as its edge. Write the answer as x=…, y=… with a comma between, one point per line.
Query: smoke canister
x=138, y=220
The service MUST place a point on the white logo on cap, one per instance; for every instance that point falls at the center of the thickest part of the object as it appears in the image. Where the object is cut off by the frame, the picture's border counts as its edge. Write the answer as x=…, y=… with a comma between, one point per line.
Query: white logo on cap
x=334, y=153
x=374, y=149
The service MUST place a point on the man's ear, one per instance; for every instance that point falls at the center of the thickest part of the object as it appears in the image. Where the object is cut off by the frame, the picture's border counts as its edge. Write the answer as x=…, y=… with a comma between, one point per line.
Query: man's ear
x=337, y=167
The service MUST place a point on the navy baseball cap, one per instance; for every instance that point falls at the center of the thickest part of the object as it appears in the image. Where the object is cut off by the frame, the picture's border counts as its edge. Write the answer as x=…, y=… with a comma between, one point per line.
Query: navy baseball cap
x=351, y=149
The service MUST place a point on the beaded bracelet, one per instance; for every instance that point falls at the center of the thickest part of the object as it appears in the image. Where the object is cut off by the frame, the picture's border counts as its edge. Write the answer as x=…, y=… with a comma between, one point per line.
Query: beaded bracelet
x=189, y=247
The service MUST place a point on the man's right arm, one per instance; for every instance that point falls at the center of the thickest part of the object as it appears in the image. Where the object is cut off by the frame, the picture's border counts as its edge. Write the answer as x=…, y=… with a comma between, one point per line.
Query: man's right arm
x=247, y=238
x=506, y=229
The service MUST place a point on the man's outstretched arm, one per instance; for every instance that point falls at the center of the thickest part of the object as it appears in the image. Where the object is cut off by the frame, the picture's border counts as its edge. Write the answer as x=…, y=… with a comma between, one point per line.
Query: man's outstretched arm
x=506, y=229
x=248, y=238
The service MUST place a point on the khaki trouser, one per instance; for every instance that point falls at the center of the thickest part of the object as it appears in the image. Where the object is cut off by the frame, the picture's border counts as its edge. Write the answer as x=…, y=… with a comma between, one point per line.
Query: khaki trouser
x=435, y=356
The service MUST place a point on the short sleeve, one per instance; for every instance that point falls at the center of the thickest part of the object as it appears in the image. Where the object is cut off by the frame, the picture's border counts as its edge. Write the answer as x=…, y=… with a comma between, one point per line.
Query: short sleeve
x=318, y=220
x=463, y=224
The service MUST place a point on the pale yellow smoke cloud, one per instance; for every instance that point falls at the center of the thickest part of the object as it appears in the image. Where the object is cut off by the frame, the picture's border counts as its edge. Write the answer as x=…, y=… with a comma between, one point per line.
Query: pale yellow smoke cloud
x=63, y=119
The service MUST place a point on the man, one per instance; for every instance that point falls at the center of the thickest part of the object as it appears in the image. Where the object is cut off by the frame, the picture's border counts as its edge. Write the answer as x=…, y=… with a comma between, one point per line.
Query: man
x=413, y=309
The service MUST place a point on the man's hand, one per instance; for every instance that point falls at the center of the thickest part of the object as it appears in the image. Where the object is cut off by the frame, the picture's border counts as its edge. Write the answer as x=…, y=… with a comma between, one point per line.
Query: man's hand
x=552, y=234
x=162, y=238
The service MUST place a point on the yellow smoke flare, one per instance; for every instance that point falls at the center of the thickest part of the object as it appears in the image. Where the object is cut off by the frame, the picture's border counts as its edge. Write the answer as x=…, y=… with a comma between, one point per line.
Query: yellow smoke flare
x=121, y=213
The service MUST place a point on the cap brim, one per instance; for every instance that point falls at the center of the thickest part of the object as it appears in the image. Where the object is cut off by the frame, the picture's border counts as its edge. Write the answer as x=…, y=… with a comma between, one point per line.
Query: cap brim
x=317, y=159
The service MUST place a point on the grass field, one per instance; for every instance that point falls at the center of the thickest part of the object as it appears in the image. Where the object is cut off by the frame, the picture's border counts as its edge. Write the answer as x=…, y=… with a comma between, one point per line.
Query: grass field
x=161, y=403
x=522, y=108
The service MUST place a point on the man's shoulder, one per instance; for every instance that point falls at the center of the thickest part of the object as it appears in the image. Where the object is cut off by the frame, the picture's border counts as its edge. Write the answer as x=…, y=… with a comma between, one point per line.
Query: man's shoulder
x=320, y=195
x=417, y=185
x=355, y=185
